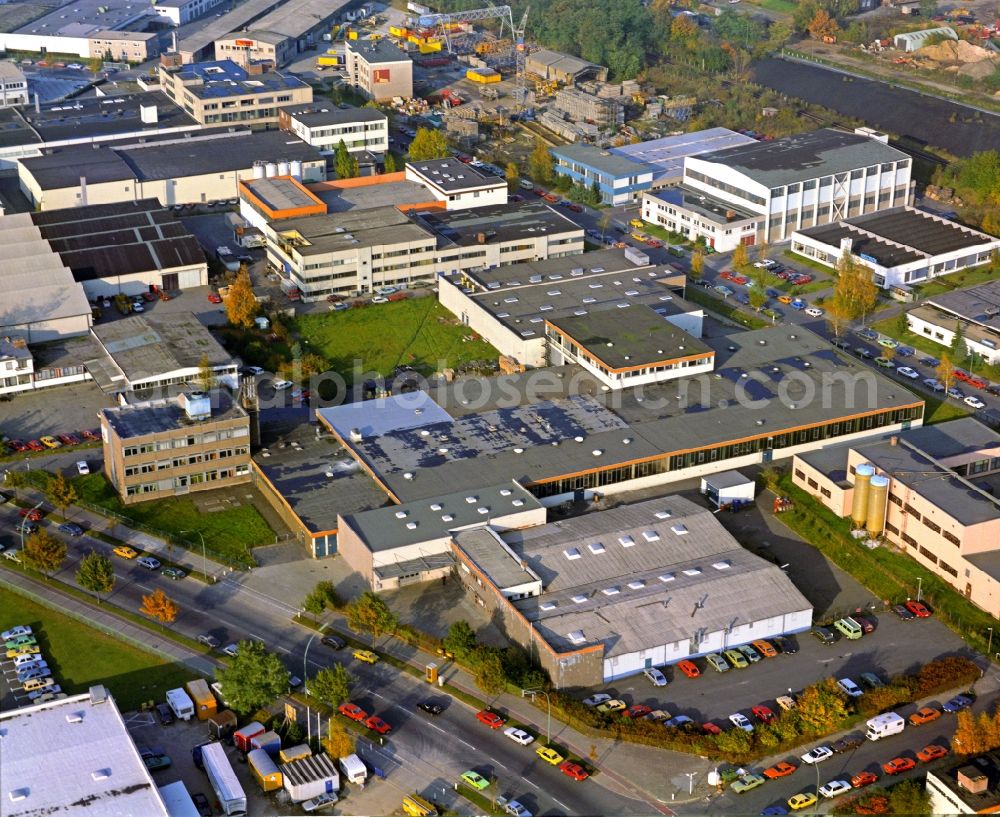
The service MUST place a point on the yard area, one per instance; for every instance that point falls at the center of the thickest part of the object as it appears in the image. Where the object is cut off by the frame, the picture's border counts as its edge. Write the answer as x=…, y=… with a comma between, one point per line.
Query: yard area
x=229, y=533
x=418, y=332
x=80, y=656
x=955, y=280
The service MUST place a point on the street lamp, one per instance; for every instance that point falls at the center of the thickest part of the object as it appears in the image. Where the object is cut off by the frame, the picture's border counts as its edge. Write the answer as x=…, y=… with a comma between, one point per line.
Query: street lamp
x=305, y=658
x=204, y=558
x=920, y=584
x=24, y=522
x=548, y=702
x=690, y=776
x=989, y=649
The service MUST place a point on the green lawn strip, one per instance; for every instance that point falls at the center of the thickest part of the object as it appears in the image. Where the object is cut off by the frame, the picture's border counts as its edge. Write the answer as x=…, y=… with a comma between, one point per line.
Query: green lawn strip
x=887, y=573
x=416, y=332
x=938, y=410
x=483, y=804
x=229, y=534
x=727, y=310
x=80, y=655
x=107, y=606
x=887, y=326
x=13, y=456
x=674, y=239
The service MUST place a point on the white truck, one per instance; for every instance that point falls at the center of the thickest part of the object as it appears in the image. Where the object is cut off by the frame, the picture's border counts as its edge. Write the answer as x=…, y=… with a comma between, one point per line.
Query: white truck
x=180, y=702
x=882, y=726
x=354, y=769
x=225, y=784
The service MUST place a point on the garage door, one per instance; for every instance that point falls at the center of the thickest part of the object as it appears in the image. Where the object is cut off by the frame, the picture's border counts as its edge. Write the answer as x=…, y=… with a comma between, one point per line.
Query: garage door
x=188, y=279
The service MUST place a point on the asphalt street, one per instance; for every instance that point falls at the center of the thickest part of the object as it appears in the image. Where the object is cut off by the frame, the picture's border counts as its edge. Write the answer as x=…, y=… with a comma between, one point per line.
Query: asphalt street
x=444, y=748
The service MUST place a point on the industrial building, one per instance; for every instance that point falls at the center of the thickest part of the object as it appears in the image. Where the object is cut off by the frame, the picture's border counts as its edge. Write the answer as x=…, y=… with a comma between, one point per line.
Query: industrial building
x=13, y=85
x=277, y=198
x=74, y=750
x=54, y=363
x=923, y=490
x=914, y=40
x=222, y=92
x=902, y=246
x=207, y=435
x=510, y=306
x=182, y=12
x=624, y=173
x=88, y=120
x=248, y=47
x=970, y=785
x=141, y=352
x=602, y=596
x=554, y=66
x=191, y=168
x=402, y=544
x=607, y=114
x=378, y=69
x=976, y=309
x=325, y=127
x=460, y=185
x=767, y=190
x=361, y=251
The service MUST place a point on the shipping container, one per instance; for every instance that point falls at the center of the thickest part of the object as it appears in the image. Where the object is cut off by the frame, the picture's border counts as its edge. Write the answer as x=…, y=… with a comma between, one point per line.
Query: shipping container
x=270, y=742
x=205, y=704
x=243, y=736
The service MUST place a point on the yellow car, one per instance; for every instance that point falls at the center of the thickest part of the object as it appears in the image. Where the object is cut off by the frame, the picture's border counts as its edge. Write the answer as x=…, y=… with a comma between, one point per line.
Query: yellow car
x=635, y=222
x=614, y=705
x=366, y=655
x=549, y=755
x=125, y=552
x=785, y=299
x=50, y=442
x=27, y=649
x=801, y=801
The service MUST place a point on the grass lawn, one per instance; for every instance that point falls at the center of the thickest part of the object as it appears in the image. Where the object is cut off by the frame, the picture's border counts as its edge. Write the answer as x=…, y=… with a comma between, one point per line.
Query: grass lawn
x=80, y=656
x=888, y=327
x=418, y=332
x=228, y=534
x=777, y=6
x=728, y=309
x=955, y=280
x=938, y=411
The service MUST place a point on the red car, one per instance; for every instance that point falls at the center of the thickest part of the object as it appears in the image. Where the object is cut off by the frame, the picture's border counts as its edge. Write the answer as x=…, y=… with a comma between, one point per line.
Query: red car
x=918, y=609
x=68, y=439
x=34, y=445
x=551, y=198
x=932, y=752
x=689, y=668
x=867, y=627
x=376, y=724
x=977, y=383
x=31, y=514
x=898, y=765
x=575, y=208
x=862, y=779
x=491, y=719
x=638, y=710
x=726, y=274
x=352, y=711
x=762, y=713
x=711, y=728
x=574, y=770
x=16, y=445
x=90, y=435
x=781, y=769
x=215, y=297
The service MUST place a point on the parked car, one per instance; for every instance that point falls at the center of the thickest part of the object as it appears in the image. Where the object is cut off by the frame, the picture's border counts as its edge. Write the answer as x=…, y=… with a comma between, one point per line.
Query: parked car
x=655, y=677
x=597, y=698
x=797, y=802
x=846, y=744
x=352, y=711
x=906, y=371
x=148, y=562
x=762, y=713
x=918, y=609
x=898, y=765
x=518, y=735
x=835, y=788
x=574, y=770
x=817, y=755
x=430, y=708
x=125, y=552
x=71, y=529
x=367, y=656
x=932, y=752
x=741, y=721
x=746, y=783
x=174, y=573
x=926, y=714
x=689, y=668
x=165, y=714
x=15, y=632
x=780, y=769
x=333, y=641
x=614, y=705
x=490, y=719
x=849, y=688
x=871, y=680
x=785, y=645
x=201, y=803
x=376, y=724
x=903, y=612
x=862, y=779
x=958, y=703
x=476, y=780
x=824, y=635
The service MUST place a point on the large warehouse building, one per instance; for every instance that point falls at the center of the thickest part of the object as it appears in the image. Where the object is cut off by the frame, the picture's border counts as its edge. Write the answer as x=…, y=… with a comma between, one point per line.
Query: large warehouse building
x=605, y=595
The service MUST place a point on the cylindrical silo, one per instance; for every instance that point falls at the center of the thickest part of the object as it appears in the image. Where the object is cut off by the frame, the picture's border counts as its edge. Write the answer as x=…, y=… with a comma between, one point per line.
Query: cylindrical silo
x=859, y=506
x=878, y=494
x=258, y=170
x=271, y=170
x=296, y=169
x=283, y=167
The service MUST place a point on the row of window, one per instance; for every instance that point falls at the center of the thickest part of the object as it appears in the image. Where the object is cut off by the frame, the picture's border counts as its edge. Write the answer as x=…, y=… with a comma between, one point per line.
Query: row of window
x=187, y=480
x=183, y=442
x=727, y=188
x=180, y=462
x=930, y=557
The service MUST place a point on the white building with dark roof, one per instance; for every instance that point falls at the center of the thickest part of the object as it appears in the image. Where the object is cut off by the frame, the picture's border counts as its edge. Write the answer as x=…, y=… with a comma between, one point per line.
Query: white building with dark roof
x=72, y=756
x=604, y=595
x=459, y=185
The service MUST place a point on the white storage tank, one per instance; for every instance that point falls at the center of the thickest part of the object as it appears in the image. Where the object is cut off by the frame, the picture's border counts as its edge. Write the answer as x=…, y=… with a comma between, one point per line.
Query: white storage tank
x=296, y=169
x=283, y=168
x=258, y=170
x=270, y=170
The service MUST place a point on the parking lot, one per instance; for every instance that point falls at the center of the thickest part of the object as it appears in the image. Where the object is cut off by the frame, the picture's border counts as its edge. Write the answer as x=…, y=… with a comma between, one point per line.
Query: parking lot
x=23, y=659
x=66, y=409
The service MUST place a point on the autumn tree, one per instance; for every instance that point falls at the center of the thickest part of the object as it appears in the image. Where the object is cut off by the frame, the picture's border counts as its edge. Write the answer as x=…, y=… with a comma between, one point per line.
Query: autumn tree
x=513, y=177
x=428, y=144
x=96, y=574
x=821, y=707
x=206, y=374
x=44, y=552
x=822, y=25
x=836, y=318
x=855, y=290
x=338, y=741
x=344, y=162
x=158, y=606
x=241, y=303
x=61, y=491
x=684, y=30
x=697, y=265
x=763, y=250
x=945, y=371
x=331, y=685
x=369, y=613
x=389, y=164
x=967, y=739
x=254, y=678
x=541, y=163
x=490, y=677
x=741, y=258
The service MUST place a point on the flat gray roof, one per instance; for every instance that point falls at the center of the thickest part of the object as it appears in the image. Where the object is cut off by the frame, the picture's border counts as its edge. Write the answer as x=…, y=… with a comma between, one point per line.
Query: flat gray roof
x=804, y=156
x=634, y=335
x=379, y=51
x=563, y=62
x=501, y=222
x=368, y=197
x=278, y=193
x=453, y=176
x=551, y=271
x=325, y=112
x=344, y=231
x=389, y=528
x=609, y=575
x=901, y=235
x=143, y=346
x=666, y=155
x=716, y=210
x=978, y=304
x=604, y=161
x=159, y=416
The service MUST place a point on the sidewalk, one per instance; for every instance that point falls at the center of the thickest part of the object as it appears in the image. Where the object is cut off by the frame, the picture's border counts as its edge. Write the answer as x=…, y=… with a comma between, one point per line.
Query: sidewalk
x=107, y=622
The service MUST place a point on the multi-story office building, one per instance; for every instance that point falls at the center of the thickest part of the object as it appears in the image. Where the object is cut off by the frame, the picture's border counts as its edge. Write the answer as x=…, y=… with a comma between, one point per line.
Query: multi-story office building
x=221, y=92
x=247, y=47
x=378, y=69
x=181, y=12
x=767, y=190
x=326, y=126
x=163, y=448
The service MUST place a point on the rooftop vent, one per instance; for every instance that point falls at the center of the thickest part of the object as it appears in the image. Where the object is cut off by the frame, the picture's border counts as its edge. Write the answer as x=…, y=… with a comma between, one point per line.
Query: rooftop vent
x=579, y=599
x=572, y=553
x=100, y=774
x=482, y=511
x=411, y=525
x=356, y=435
x=626, y=541
x=611, y=591
x=196, y=404
x=724, y=564
x=663, y=514
x=596, y=547
x=666, y=577
x=401, y=514
x=637, y=584
x=577, y=636
x=505, y=492
x=407, y=475
x=471, y=500
x=74, y=717
x=651, y=536
x=447, y=518
x=693, y=571
x=517, y=503
x=679, y=529
x=435, y=506
x=548, y=605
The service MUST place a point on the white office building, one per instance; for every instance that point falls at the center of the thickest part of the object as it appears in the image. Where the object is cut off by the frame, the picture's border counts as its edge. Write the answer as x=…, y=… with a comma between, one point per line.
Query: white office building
x=360, y=129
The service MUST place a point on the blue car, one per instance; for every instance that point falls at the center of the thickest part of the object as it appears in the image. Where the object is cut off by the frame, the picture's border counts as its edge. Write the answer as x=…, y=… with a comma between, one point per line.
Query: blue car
x=904, y=351
x=958, y=703
x=71, y=528
x=743, y=299
x=775, y=810
x=798, y=304
x=867, y=334
x=772, y=293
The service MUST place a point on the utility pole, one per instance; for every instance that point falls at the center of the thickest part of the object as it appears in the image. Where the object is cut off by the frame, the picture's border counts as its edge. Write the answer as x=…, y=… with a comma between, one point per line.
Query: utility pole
x=533, y=692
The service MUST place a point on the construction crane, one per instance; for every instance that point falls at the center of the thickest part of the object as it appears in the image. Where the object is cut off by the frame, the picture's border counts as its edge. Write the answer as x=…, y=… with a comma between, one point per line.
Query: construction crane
x=444, y=21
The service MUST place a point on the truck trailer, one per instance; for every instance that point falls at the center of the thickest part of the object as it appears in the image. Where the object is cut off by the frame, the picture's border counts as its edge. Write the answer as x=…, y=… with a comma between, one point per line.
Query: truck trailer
x=882, y=726
x=225, y=784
